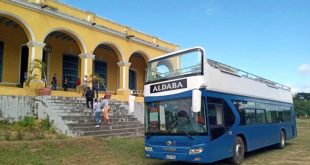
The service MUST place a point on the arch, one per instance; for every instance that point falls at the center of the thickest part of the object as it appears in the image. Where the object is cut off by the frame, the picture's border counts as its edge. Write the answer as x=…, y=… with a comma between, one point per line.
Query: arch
x=114, y=46
x=142, y=53
x=22, y=23
x=72, y=34
x=138, y=60
x=167, y=64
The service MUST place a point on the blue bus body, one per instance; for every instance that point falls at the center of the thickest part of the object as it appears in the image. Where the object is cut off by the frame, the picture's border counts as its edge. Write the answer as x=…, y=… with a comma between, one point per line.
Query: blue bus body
x=218, y=142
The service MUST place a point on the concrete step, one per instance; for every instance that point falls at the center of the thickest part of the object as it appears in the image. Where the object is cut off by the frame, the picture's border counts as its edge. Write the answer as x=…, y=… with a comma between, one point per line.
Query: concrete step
x=83, y=107
x=116, y=135
x=81, y=120
x=91, y=123
x=91, y=116
x=106, y=127
x=113, y=131
x=87, y=110
x=81, y=101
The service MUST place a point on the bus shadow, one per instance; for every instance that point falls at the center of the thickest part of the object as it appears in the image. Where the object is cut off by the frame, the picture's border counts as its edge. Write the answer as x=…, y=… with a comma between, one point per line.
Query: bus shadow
x=249, y=155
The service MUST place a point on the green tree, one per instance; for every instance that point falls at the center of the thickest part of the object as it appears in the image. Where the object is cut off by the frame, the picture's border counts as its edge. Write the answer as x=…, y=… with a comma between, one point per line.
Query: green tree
x=302, y=103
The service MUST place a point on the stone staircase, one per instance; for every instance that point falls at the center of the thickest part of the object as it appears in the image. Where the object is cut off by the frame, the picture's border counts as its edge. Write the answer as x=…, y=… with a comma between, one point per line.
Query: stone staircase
x=77, y=120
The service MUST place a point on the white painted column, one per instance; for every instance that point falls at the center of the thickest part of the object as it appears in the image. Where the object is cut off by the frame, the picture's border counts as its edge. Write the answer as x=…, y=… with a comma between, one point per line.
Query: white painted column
x=123, y=77
x=86, y=64
x=35, y=52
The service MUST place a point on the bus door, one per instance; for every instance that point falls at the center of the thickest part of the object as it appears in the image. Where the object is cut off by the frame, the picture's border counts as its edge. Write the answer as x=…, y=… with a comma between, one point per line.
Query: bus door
x=220, y=120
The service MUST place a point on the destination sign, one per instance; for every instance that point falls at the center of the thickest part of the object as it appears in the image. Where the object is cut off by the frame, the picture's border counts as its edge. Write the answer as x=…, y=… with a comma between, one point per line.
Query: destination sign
x=168, y=86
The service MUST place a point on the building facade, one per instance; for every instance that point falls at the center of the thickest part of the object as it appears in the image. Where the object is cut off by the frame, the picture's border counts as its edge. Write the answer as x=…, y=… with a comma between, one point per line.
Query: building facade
x=72, y=43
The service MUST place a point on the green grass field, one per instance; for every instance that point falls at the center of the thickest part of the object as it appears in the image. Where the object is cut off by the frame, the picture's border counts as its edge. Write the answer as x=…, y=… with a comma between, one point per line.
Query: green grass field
x=129, y=151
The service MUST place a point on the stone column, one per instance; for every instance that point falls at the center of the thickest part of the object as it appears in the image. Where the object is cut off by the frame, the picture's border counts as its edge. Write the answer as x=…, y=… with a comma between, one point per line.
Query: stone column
x=123, y=78
x=86, y=64
x=35, y=52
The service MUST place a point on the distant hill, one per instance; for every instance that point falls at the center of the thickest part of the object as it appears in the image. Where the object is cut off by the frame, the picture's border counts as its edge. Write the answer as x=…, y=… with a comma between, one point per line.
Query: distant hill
x=302, y=103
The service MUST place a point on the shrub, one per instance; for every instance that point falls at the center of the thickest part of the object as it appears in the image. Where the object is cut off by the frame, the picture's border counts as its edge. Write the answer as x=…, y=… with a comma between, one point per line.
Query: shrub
x=46, y=124
x=28, y=121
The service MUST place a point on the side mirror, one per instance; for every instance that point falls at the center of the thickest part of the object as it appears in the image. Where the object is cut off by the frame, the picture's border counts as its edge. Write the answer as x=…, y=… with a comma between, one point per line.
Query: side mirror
x=196, y=101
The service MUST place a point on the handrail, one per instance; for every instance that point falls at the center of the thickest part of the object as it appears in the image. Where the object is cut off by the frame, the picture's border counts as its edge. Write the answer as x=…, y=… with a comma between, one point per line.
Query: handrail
x=241, y=73
x=136, y=92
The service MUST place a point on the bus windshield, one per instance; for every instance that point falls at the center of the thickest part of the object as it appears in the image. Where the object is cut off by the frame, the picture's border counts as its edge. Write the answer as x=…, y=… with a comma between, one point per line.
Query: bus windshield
x=174, y=117
x=174, y=66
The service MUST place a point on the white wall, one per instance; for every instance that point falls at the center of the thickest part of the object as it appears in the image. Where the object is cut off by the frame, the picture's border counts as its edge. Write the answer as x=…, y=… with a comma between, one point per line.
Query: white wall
x=14, y=108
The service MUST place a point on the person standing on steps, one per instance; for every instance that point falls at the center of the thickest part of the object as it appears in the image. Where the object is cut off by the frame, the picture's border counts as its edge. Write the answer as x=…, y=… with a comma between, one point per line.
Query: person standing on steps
x=77, y=82
x=89, y=95
x=97, y=110
x=84, y=84
x=105, y=104
x=95, y=85
x=66, y=83
x=54, y=82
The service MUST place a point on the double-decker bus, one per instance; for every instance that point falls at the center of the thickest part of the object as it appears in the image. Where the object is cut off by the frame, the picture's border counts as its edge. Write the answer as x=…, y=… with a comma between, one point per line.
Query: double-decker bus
x=200, y=110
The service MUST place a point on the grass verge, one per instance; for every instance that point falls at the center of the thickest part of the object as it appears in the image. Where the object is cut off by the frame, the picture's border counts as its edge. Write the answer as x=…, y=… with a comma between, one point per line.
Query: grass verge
x=129, y=151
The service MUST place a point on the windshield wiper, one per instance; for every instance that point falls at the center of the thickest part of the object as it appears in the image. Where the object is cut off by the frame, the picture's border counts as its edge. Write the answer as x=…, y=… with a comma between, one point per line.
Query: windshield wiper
x=173, y=126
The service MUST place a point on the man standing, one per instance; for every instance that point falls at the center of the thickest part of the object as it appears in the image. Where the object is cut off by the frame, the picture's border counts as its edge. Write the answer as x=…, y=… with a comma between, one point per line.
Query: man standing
x=54, y=82
x=65, y=84
x=84, y=84
x=95, y=85
x=89, y=98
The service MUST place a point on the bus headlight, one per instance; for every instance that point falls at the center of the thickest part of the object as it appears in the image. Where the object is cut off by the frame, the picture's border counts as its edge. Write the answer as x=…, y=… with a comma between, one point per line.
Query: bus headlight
x=148, y=148
x=195, y=151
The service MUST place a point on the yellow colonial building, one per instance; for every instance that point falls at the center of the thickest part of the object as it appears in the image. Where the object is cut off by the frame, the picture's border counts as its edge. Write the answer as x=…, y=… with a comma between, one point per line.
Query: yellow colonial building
x=72, y=43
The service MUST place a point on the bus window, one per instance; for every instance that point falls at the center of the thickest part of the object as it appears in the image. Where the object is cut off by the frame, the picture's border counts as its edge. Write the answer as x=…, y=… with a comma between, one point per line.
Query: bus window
x=274, y=116
x=250, y=116
x=215, y=114
x=287, y=114
x=260, y=116
x=221, y=118
x=240, y=105
x=174, y=117
x=154, y=118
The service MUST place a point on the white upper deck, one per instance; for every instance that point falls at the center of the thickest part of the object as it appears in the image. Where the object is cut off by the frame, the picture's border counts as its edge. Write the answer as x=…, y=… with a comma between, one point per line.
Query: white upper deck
x=223, y=78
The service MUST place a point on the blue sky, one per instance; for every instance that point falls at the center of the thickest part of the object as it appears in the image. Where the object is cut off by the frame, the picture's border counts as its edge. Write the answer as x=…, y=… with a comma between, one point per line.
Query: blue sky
x=269, y=38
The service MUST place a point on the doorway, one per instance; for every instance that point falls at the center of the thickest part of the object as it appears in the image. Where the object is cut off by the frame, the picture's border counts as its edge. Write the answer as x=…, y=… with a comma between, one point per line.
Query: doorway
x=70, y=69
x=132, y=79
x=23, y=64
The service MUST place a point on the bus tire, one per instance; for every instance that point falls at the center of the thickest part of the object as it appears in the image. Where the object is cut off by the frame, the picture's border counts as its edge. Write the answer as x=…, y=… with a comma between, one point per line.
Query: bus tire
x=238, y=151
x=281, y=144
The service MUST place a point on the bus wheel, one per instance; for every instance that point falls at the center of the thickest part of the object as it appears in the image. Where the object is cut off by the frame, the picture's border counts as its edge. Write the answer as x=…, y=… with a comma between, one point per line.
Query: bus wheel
x=238, y=151
x=281, y=145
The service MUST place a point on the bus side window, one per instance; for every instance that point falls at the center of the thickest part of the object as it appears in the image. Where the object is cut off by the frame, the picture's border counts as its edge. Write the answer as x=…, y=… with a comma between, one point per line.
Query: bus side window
x=221, y=118
x=240, y=106
x=215, y=114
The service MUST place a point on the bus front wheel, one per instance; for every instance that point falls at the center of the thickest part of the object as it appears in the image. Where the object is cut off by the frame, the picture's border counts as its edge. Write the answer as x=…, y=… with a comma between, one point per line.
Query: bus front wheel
x=281, y=145
x=238, y=151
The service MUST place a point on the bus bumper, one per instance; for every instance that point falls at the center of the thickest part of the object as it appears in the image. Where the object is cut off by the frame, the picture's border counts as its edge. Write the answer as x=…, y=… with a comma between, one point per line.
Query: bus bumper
x=179, y=156
x=199, y=158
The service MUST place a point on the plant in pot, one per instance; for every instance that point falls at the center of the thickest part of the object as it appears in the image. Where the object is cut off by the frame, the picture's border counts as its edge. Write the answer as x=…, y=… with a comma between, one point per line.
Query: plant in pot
x=100, y=80
x=37, y=82
x=82, y=87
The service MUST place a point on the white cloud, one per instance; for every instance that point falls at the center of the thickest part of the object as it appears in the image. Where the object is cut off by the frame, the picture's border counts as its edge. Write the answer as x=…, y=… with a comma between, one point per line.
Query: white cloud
x=304, y=69
x=300, y=88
